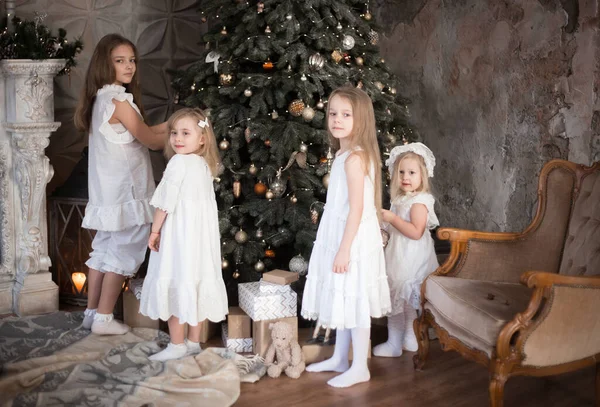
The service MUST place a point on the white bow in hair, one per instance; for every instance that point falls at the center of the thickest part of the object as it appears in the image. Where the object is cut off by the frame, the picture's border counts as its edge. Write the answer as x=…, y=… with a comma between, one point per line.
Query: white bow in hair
x=203, y=123
x=417, y=148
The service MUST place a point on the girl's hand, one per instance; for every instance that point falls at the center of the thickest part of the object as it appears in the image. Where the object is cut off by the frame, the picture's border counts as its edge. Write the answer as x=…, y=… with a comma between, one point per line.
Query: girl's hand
x=341, y=261
x=387, y=216
x=154, y=241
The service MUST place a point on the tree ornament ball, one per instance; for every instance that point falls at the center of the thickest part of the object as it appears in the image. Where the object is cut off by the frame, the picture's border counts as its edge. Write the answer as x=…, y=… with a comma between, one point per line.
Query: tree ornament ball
x=326, y=180
x=373, y=37
x=298, y=265
x=237, y=188
x=260, y=7
x=268, y=65
x=316, y=61
x=303, y=148
x=259, y=266
x=336, y=56
x=268, y=143
x=224, y=264
x=368, y=16
x=267, y=30
x=270, y=253
x=274, y=115
x=260, y=188
x=378, y=85
x=253, y=169
x=393, y=91
x=278, y=187
x=339, y=26
x=348, y=42
x=203, y=19
x=248, y=93
x=320, y=105
x=241, y=236
x=269, y=194
x=296, y=107
x=308, y=113
x=360, y=61
x=226, y=79
x=288, y=17
x=224, y=31
x=293, y=199
x=224, y=144
x=259, y=233
x=236, y=274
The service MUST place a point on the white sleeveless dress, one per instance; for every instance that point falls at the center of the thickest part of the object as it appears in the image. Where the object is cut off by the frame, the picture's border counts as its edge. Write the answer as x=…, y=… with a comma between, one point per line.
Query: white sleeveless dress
x=348, y=300
x=409, y=261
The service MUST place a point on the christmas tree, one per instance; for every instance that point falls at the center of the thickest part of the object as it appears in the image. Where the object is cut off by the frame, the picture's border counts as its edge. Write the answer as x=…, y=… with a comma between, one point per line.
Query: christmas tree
x=266, y=74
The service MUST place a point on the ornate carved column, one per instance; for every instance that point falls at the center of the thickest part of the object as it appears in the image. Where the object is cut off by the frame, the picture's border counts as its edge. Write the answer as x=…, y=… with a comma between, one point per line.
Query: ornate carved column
x=28, y=121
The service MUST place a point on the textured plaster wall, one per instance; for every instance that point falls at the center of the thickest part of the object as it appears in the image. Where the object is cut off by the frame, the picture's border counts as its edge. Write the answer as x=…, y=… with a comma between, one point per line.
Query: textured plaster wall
x=498, y=88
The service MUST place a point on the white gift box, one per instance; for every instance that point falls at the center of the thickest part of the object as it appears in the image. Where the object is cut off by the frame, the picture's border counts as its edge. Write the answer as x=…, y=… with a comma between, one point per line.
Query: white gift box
x=260, y=305
x=272, y=288
x=237, y=344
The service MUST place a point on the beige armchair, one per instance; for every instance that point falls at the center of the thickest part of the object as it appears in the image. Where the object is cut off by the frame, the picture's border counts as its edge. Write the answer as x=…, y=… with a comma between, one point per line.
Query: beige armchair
x=524, y=303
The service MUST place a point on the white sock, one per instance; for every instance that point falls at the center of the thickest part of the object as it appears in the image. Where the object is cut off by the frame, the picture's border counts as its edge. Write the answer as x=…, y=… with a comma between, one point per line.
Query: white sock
x=193, y=348
x=410, y=339
x=105, y=324
x=339, y=361
x=172, y=351
x=359, y=371
x=88, y=318
x=393, y=347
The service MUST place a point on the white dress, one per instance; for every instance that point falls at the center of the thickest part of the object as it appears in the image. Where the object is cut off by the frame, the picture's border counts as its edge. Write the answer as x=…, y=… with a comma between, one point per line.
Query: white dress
x=348, y=300
x=409, y=261
x=184, y=277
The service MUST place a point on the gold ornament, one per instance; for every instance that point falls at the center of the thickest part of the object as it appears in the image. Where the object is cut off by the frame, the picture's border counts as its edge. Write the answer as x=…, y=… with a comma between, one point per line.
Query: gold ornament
x=393, y=91
x=253, y=169
x=268, y=65
x=247, y=134
x=259, y=233
x=373, y=37
x=278, y=187
x=203, y=19
x=296, y=107
x=360, y=61
x=248, y=93
x=226, y=79
x=303, y=148
x=260, y=7
x=260, y=188
x=270, y=253
x=337, y=56
x=224, y=144
x=268, y=143
x=359, y=85
x=326, y=180
x=274, y=115
x=241, y=236
x=382, y=60
x=320, y=105
x=236, y=274
x=259, y=266
x=269, y=194
x=268, y=30
x=288, y=17
x=224, y=263
x=224, y=31
x=314, y=216
x=293, y=199
x=237, y=188
x=308, y=113
x=368, y=16
x=378, y=85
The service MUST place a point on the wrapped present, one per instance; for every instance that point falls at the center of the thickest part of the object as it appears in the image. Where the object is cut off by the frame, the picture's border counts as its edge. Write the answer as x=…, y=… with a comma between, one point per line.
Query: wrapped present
x=260, y=306
x=261, y=334
x=272, y=288
x=235, y=344
x=239, y=323
x=282, y=277
x=317, y=352
x=131, y=313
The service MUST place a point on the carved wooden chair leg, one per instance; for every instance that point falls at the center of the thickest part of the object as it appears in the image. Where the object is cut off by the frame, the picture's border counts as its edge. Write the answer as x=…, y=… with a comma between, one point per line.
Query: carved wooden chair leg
x=421, y=326
x=497, y=382
x=597, y=384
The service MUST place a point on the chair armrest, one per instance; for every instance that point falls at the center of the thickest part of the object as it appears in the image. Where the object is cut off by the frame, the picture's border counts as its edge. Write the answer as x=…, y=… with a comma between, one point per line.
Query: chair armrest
x=463, y=235
x=541, y=279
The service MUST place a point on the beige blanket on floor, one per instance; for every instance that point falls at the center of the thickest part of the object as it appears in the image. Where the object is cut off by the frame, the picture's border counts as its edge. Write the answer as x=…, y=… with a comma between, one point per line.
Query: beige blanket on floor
x=115, y=371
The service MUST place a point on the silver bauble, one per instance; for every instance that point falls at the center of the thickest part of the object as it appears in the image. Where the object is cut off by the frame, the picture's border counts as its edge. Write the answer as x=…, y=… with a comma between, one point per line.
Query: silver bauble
x=316, y=61
x=278, y=187
x=224, y=144
x=253, y=169
x=241, y=236
x=259, y=233
x=298, y=265
x=348, y=42
x=259, y=266
x=320, y=105
x=308, y=113
x=303, y=148
x=248, y=93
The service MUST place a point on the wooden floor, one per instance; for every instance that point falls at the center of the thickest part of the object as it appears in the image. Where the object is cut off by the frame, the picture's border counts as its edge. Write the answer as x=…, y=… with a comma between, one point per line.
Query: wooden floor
x=447, y=380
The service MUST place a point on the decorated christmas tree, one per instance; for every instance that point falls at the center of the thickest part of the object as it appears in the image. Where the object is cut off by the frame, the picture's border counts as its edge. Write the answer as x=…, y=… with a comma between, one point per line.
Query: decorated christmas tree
x=266, y=74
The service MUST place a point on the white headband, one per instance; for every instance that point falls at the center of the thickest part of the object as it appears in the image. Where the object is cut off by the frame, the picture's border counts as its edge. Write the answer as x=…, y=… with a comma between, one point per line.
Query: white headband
x=203, y=123
x=417, y=148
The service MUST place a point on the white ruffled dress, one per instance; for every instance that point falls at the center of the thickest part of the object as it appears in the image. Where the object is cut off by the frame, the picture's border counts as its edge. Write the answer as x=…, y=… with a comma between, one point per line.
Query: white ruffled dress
x=348, y=300
x=409, y=261
x=119, y=169
x=184, y=277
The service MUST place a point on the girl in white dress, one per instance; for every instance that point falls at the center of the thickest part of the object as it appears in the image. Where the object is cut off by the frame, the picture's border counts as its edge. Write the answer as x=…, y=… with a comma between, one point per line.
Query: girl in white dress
x=410, y=255
x=184, y=284
x=346, y=283
x=120, y=176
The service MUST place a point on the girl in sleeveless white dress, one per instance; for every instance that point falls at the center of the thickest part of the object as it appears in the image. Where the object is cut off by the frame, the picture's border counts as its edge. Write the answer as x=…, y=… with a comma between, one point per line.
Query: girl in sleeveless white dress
x=184, y=284
x=410, y=256
x=346, y=282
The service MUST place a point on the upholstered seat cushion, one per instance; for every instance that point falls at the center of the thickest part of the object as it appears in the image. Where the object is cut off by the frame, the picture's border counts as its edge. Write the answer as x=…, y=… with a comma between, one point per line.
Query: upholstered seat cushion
x=479, y=308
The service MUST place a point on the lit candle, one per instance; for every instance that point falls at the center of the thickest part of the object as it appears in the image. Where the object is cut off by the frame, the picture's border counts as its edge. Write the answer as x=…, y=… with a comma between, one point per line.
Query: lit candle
x=78, y=280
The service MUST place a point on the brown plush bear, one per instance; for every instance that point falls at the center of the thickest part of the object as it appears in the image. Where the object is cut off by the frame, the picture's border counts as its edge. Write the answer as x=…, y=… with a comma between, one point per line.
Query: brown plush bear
x=284, y=353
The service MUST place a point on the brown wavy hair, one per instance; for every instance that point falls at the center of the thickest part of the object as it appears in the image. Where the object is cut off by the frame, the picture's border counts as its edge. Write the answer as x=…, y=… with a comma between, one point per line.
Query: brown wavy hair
x=363, y=135
x=208, y=150
x=101, y=72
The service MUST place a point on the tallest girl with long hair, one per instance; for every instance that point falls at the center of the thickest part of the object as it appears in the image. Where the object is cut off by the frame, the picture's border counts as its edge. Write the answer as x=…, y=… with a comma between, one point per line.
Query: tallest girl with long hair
x=346, y=283
x=120, y=181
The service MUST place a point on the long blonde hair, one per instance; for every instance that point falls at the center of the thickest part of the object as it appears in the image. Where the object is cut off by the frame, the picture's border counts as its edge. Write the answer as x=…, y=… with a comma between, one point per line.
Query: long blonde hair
x=101, y=72
x=363, y=135
x=208, y=150
x=395, y=190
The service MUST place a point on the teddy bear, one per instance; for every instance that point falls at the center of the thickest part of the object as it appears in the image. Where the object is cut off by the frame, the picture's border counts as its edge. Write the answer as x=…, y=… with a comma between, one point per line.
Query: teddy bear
x=284, y=353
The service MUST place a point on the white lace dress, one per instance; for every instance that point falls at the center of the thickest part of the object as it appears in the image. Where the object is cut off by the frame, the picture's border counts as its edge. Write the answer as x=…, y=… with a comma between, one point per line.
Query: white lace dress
x=184, y=277
x=409, y=261
x=348, y=300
